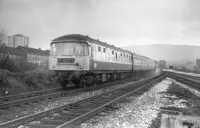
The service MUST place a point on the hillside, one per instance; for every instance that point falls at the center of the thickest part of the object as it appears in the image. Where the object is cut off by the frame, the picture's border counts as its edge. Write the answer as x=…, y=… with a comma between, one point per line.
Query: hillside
x=173, y=54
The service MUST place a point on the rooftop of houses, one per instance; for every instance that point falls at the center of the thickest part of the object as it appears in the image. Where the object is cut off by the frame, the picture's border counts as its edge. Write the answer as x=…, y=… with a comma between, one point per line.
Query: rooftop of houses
x=11, y=50
x=34, y=51
x=20, y=50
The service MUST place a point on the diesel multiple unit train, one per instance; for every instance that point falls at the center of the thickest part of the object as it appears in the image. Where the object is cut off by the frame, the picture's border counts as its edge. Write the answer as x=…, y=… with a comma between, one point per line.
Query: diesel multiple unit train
x=83, y=61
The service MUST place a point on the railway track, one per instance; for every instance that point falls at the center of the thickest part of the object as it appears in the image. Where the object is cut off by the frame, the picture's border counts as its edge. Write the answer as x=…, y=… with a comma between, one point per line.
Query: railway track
x=30, y=100
x=26, y=95
x=37, y=96
x=74, y=113
x=193, y=77
x=12, y=100
x=192, y=81
x=185, y=75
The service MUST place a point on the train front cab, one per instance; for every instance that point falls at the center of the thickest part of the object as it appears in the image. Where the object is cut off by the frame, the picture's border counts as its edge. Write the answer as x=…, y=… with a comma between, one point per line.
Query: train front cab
x=70, y=59
x=69, y=56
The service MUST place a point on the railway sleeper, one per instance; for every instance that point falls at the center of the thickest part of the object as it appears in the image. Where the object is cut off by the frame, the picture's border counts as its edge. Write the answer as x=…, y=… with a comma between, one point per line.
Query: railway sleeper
x=41, y=125
x=113, y=106
x=78, y=112
x=69, y=114
x=75, y=112
x=52, y=121
x=77, y=109
x=60, y=117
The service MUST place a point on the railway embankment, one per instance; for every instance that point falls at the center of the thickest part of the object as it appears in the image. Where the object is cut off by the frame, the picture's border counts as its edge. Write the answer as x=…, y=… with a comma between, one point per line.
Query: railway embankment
x=21, y=82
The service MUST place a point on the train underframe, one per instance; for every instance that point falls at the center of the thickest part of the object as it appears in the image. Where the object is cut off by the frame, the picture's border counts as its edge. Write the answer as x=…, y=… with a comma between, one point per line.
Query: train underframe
x=83, y=79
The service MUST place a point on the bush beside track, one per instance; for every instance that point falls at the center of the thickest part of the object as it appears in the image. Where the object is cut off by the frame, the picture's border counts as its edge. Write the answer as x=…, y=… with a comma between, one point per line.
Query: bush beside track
x=15, y=83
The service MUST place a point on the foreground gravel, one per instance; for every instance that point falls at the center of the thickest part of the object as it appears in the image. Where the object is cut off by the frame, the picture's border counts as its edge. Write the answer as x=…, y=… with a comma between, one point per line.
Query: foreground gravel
x=17, y=112
x=138, y=112
x=144, y=110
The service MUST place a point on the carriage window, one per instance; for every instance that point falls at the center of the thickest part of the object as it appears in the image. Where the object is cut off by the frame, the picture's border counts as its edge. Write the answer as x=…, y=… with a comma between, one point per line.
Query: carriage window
x=112, y=52
x=69, y=49
x=128, y=58
x=81, y=49
x=55, y=48
x=116, y=56
x=104, y=50
x=99, y=49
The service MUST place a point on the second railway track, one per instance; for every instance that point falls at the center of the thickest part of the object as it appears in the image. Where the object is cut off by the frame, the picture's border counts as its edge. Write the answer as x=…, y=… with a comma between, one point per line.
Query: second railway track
x=191, y=81
x=70, y=114
x=27, y=95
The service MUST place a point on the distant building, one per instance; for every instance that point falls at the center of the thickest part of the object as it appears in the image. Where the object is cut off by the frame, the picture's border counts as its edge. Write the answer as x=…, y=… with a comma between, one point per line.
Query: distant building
x=162, y=63
x=24, y=57
x=197, y=62
x=10, y=53
x=3, y=41
x=18, y=40
x=36, y=56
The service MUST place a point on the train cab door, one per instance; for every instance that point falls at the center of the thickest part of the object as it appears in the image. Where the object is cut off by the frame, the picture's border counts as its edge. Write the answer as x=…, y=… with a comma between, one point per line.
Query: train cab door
x=91, y=57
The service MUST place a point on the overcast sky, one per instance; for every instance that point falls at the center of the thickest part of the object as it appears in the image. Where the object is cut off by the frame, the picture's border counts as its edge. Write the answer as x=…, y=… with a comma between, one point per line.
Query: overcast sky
x=118, y=22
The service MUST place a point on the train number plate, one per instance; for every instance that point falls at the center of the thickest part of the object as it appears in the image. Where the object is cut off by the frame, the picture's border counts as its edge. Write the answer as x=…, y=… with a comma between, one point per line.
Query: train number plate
x=66, y=60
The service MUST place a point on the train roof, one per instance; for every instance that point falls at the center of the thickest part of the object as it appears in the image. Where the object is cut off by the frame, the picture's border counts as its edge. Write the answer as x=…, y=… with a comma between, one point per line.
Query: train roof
x=70, y=37
x=79, y=37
